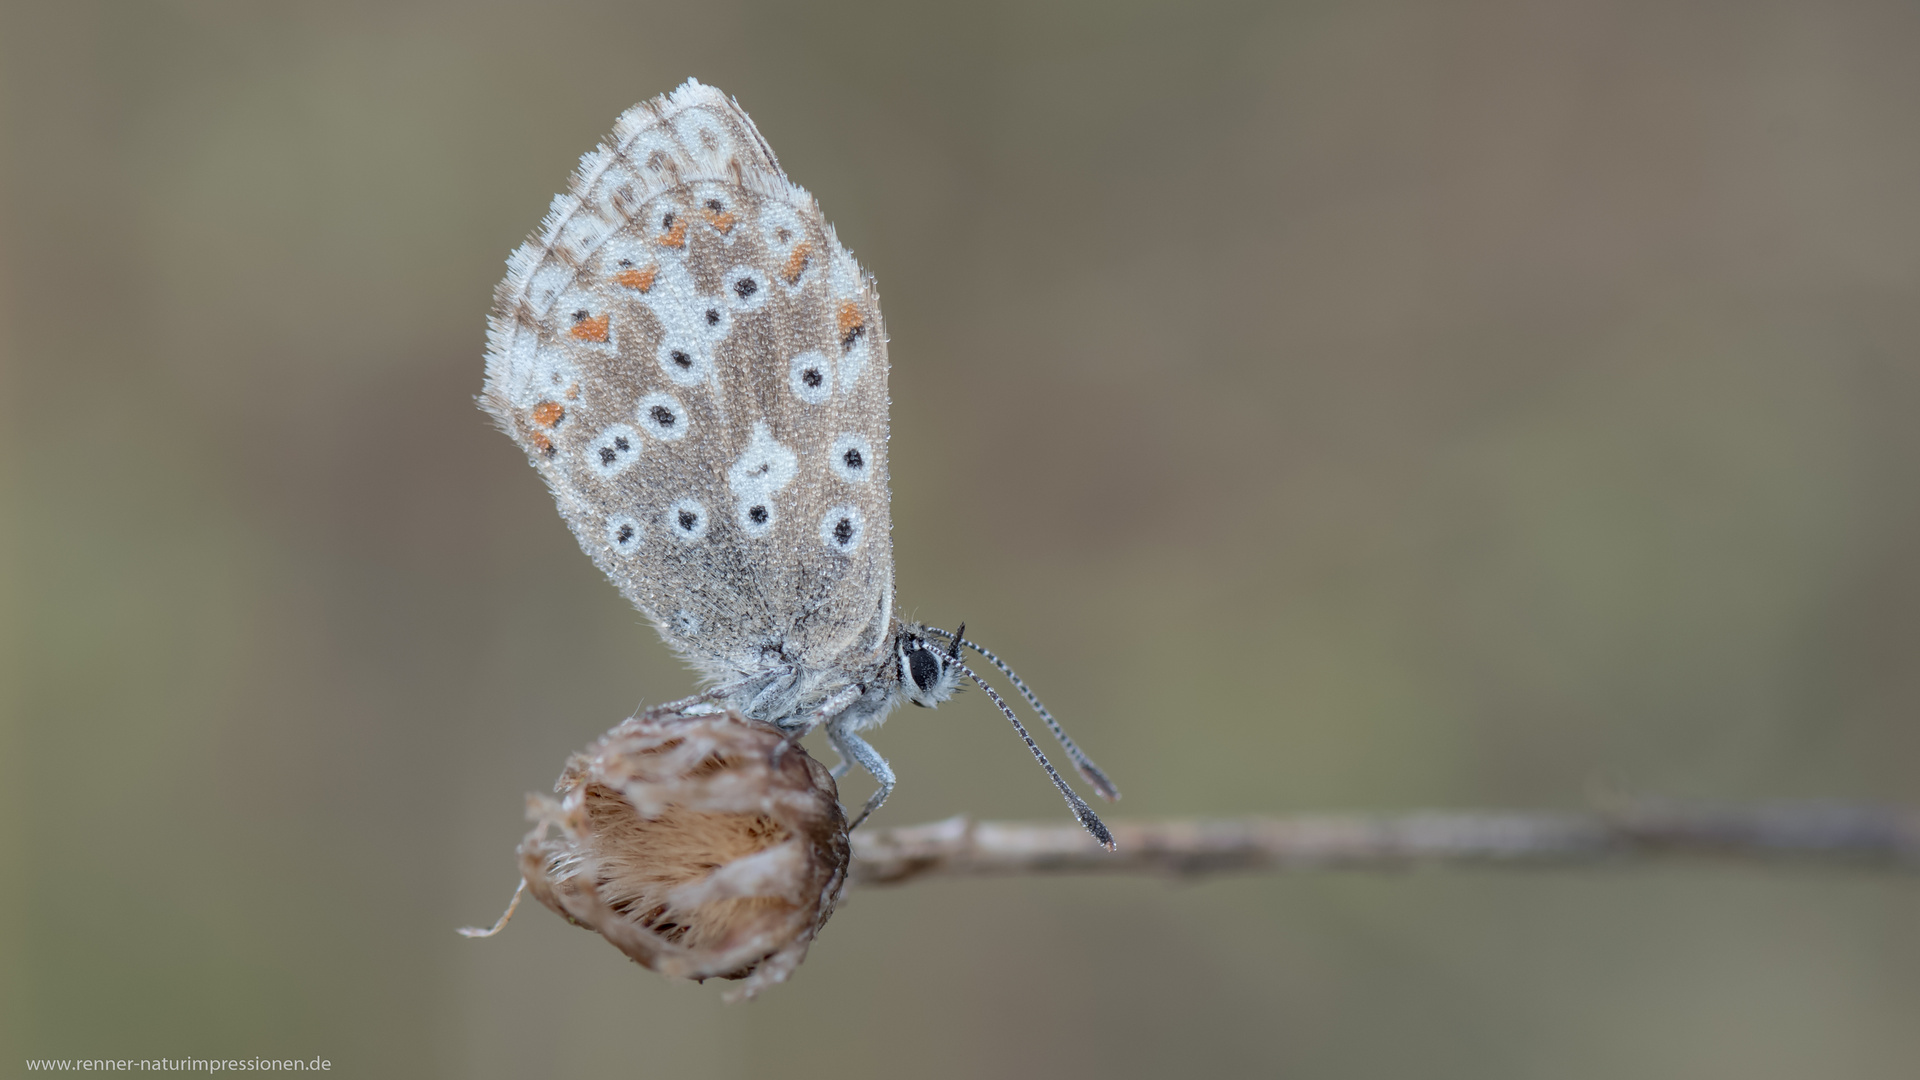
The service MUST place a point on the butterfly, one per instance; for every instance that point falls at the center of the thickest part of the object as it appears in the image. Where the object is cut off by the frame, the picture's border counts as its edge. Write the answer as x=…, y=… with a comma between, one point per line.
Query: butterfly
x=698, y=369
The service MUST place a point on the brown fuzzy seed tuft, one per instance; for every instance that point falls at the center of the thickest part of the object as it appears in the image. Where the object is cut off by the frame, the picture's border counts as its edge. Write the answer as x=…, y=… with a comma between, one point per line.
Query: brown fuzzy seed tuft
x=684, y=842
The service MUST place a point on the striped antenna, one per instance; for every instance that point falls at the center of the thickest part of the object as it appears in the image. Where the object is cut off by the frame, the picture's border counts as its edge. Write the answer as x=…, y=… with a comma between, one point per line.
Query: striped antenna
x=1088, y=819
x=1082, y=764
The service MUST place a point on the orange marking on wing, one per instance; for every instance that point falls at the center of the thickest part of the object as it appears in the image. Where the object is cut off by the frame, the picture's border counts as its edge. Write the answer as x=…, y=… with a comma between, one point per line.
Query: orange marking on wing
x=637, y=279
x=540, y=442
x=676, y=236
x=851, y=321
x=591, y=329
x=722, y=221
x=797, y=263
x=573, y=392
x=549, y=413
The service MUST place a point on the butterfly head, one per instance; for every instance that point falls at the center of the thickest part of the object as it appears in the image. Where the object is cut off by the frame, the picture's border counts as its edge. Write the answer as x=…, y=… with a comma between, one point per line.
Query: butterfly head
x=930, y=672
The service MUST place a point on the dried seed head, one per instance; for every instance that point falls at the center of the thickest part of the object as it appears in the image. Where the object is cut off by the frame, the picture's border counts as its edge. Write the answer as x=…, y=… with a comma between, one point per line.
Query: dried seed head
x=701, y=845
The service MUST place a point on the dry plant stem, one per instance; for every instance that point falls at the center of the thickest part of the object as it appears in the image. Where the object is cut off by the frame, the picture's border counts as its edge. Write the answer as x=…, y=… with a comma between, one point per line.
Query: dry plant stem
x=1872, y=837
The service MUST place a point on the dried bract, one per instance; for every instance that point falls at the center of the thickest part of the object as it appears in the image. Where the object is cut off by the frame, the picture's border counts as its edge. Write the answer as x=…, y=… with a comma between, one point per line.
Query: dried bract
x=702, y=845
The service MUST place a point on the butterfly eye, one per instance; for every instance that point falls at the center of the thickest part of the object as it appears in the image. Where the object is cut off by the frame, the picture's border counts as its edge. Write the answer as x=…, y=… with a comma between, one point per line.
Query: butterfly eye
x=925, y=667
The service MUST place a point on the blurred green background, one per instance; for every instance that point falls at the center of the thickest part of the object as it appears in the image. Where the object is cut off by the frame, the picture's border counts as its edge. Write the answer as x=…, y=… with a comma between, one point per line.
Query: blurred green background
x=1326, y=406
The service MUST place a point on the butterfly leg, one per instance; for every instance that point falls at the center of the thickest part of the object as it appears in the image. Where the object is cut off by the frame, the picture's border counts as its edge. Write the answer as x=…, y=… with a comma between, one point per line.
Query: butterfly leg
x=828, y=709
x=853, y=748
x=688, y=704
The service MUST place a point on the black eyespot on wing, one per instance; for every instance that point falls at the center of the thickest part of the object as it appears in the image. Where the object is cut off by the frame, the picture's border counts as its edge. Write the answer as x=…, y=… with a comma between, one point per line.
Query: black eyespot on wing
x=713, y=204
x=842, y=529
x=580, y=316
x=853, y=458
x=852, y=335
x=757, y=515
x=662, y=415
x=607, y=455
x=687, y=520
x=625, y=535
x=621, y=444
x=626, y=262
x=812, y=377
x=666, y=220
x=745, y=287
x=713, y=316
x=683, y=359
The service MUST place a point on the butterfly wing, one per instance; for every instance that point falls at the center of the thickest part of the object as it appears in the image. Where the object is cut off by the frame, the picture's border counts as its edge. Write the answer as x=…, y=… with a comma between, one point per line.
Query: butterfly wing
x=698, y=369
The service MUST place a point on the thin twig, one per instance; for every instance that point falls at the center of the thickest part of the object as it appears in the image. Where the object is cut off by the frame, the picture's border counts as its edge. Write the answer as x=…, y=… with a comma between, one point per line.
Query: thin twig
x=1886, y=838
